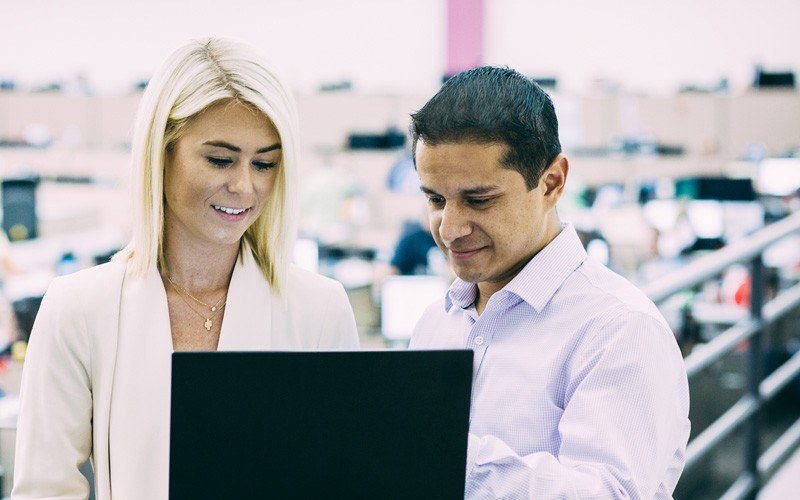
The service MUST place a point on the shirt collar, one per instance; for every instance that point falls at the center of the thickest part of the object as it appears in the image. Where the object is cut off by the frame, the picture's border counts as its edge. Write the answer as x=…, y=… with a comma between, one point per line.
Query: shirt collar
x=538, y=281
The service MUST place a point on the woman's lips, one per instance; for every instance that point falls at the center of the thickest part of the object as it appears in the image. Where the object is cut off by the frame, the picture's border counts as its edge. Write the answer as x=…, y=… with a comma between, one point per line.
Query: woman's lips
x=231, y=214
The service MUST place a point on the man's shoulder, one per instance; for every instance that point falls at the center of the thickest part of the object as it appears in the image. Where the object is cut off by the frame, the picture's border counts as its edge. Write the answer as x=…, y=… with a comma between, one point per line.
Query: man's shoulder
x=614, y=289
x=612, y=299
x=603, y=279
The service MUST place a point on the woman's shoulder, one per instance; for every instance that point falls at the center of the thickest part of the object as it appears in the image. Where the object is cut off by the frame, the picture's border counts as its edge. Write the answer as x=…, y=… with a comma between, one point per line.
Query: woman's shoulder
x=79, y=303
x=304, y=282
x=100, y=279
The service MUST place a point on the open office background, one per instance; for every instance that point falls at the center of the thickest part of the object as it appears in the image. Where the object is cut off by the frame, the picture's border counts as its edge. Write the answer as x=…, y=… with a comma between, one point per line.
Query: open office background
x=620, y=67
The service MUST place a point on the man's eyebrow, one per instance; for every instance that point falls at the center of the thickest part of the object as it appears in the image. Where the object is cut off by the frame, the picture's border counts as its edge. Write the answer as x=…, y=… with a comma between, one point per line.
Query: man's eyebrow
x=479, y=190
x=475, y=191
x=227, y=145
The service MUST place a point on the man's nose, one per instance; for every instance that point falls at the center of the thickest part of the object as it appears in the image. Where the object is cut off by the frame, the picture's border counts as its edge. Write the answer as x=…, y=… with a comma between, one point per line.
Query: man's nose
x=454, y=223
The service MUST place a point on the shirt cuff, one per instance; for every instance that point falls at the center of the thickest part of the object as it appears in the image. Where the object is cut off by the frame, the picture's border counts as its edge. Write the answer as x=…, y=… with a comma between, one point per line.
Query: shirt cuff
x=474, y=444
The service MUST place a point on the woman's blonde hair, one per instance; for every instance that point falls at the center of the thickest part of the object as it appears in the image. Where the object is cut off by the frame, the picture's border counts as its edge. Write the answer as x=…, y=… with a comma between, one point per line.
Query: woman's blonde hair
x=198, y=74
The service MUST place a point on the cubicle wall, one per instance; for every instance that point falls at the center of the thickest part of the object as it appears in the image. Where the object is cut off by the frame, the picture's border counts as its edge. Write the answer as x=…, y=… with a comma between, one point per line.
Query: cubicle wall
x=90, y=137
x=72, y=121
x=724, y=125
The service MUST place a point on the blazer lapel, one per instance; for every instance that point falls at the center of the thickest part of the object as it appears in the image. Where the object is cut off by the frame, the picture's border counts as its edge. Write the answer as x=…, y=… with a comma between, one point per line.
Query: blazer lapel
x=144, y=307
x=248, y=311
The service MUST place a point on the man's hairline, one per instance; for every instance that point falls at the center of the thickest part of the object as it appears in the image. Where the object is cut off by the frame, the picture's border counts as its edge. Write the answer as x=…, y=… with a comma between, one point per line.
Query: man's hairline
x=505, y=163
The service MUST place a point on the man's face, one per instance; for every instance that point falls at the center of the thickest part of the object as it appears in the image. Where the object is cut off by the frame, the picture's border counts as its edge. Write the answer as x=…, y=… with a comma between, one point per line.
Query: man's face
x=482, y=215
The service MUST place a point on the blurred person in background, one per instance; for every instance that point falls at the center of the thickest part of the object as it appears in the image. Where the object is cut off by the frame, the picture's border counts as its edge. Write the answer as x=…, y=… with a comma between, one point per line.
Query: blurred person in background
x=412, y=252
x=579, y=386
x=208, y=267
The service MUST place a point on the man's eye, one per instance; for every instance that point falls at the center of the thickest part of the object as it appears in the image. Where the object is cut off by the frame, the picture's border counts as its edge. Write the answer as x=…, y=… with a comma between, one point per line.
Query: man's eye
x=477, y=201
x=435, y=200
x=220, y=162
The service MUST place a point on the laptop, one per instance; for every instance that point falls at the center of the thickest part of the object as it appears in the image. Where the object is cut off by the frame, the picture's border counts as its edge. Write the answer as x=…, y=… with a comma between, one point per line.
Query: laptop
x=383, y=424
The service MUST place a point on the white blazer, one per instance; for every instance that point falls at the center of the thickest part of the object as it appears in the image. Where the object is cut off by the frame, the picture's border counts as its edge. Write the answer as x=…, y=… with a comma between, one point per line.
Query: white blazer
x=70, y=365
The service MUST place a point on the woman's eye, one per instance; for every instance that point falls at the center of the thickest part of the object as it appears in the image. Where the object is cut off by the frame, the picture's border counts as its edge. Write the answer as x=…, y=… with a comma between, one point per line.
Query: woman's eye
x=263, y=165
x=220, y=162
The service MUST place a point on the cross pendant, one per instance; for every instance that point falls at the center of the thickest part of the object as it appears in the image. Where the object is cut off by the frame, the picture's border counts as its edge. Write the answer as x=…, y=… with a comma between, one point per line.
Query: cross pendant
x=208, y=324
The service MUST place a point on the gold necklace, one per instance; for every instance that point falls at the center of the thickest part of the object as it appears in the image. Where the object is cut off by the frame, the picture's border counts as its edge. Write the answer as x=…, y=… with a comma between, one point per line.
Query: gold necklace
x=214, y=309
x=180, y=288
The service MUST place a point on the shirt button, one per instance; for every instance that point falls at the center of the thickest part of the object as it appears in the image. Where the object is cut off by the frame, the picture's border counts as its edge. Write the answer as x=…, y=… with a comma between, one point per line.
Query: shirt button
x=479, y=340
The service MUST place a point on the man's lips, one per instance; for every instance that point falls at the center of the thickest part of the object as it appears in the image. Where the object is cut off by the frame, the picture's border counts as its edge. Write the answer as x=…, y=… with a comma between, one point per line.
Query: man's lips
x=463, y=253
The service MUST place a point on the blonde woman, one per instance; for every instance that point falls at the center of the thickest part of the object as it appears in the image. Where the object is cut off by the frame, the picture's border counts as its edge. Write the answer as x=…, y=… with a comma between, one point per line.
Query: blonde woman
x=214, y=163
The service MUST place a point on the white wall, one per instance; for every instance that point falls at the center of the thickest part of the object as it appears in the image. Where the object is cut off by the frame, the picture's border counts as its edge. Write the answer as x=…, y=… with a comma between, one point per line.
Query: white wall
x=378, y=44
x=648, y=45
x=399, y=45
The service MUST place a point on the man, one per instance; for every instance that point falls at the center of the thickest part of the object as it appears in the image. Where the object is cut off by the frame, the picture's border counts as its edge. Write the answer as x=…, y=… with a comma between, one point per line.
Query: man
x=412, y=250
x=579, y=387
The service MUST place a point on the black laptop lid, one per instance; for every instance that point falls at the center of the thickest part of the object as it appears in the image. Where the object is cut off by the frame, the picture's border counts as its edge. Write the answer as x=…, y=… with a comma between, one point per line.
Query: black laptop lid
x=362, y=424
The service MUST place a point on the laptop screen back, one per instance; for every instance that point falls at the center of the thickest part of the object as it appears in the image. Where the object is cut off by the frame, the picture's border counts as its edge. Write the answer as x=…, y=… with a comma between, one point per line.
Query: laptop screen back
x=366, y=424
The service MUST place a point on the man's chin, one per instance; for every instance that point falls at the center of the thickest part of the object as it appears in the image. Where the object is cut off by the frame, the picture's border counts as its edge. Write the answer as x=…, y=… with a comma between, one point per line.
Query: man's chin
x=468, y=275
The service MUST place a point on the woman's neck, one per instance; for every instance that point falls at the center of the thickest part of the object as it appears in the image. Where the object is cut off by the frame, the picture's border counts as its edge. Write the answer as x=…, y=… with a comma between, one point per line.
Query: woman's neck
x=199, y=270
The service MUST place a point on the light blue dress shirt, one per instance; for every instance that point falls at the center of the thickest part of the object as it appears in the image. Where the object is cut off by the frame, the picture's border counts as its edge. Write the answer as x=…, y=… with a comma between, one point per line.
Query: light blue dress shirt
x=579, y=388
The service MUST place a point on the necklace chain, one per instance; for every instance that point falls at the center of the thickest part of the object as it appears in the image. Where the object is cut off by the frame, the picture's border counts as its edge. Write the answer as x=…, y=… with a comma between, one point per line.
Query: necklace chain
x=180, y=288
x=216, y=308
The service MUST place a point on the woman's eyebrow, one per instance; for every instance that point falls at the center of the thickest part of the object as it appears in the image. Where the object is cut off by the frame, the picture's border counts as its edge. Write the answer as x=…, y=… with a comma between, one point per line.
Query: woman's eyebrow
x=236, y=149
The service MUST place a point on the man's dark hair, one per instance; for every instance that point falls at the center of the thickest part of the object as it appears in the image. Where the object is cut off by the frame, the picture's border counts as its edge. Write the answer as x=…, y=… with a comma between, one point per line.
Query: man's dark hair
x=493, y=105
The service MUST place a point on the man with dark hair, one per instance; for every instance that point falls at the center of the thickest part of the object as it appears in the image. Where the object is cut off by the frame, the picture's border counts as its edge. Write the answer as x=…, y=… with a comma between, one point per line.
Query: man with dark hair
x=579, y=386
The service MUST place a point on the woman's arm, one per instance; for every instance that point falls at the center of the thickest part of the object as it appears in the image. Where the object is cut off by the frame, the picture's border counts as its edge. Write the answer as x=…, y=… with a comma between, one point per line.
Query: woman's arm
x=54, y=429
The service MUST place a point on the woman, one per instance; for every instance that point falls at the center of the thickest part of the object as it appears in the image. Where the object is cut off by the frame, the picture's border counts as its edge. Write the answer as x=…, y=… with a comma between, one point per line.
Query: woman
x=208, y=268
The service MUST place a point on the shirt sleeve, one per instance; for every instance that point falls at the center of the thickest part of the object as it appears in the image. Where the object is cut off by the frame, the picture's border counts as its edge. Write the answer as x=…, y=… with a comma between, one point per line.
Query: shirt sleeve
x=623, y=430
x=54, y=430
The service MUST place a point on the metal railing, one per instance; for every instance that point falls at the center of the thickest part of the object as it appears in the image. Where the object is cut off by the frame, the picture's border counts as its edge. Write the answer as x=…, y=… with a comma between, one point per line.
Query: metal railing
x=758, y=467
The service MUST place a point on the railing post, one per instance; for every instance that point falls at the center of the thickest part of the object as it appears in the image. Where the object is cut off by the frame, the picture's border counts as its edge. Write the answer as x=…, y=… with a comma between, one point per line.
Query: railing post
x=755, y=374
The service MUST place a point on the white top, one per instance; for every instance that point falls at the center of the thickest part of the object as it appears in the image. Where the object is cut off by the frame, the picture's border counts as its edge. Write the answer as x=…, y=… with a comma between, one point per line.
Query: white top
x=580, y=390
x=97, y=372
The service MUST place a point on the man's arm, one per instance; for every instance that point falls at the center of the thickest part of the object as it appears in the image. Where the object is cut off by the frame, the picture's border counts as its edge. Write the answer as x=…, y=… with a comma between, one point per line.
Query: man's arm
x=622, y=432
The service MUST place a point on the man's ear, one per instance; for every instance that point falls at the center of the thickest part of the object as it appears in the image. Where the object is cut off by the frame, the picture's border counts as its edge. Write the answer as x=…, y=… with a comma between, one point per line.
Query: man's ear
x=554, y=178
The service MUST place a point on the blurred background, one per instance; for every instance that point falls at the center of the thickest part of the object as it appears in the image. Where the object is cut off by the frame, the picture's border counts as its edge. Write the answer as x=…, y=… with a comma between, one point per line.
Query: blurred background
x=681, y=120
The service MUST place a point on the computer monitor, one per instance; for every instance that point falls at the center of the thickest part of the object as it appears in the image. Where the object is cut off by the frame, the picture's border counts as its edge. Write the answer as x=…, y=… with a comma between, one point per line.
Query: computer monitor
x=20, y=221
x=774, y=79
x=715, y=188
x=706, y=217
x=778, y=176
x=662, y=214
x=404, y=299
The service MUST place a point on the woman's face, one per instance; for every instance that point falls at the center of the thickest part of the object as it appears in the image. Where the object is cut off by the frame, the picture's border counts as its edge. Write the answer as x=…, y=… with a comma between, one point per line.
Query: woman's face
x=219, y=176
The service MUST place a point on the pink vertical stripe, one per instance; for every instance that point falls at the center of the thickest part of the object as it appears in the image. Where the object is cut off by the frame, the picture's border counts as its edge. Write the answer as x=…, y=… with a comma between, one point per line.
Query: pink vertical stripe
x=464, y=35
